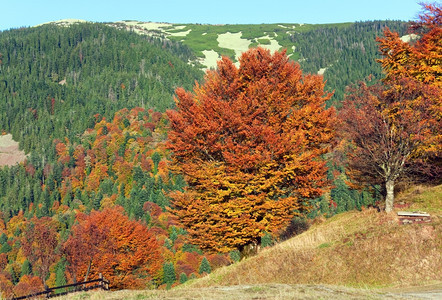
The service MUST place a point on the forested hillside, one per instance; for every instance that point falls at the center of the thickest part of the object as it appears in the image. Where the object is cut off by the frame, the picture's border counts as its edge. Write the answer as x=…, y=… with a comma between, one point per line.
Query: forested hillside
x=53, y=79
x=57, y=82
x=345, y=53
x=87, y=103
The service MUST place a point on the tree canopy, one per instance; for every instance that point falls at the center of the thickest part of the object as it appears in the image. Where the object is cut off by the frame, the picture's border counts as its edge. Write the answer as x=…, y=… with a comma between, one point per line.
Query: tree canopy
x=395, y=127
x=249, y=141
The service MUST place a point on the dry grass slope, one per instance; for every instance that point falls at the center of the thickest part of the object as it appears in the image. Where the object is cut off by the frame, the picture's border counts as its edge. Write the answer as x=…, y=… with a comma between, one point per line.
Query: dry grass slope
x=359, y=249
x=267, y=291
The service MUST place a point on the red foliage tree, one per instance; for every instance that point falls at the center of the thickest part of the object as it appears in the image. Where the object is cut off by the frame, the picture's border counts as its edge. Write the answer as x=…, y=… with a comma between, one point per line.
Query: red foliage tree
x=6, y=286
x=27, y=285
x=39, y=243
x=107, y=242
x=389, y=128
x=396, y=129
x=249, y=143
x=420, y=60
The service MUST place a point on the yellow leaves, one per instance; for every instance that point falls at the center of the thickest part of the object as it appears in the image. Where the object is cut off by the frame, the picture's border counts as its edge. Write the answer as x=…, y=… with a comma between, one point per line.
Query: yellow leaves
x=248, y=142
x=420, y=60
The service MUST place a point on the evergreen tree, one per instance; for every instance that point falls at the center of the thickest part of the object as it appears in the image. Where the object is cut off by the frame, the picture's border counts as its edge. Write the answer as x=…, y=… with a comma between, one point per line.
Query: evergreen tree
x=26, y=268
x=235, y=255
x=6, y=248
x=97, y=201
x=3, y=238
x=204, y=267
x=266, y=240
x=169, y=276
x=183, y=278
x=60, y=277
x=14, y=276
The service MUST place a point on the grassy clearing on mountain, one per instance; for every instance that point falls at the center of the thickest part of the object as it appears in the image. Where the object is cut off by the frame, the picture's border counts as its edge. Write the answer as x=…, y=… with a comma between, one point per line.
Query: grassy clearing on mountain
x=204, y=37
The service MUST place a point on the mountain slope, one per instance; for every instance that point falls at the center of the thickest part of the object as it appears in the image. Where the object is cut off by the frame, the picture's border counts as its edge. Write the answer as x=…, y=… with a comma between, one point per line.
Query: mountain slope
x=54, y=79
x=344, y=53
x=353, y=255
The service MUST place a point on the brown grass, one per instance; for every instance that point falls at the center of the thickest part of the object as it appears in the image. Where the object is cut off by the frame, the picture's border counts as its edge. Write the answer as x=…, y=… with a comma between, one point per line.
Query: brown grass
x=359, y=249
x=267, y=291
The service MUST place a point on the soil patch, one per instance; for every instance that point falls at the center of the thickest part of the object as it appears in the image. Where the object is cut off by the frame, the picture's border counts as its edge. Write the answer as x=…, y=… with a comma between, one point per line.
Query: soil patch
x=10, y=154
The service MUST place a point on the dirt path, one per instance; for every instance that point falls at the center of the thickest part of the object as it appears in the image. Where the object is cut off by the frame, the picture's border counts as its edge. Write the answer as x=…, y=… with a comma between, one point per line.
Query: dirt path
x=433, y=291
x=264, y=291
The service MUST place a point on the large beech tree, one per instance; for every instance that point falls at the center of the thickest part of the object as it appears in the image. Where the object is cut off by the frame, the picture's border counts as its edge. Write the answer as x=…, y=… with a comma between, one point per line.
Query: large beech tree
x=419, y=59
x=249, y=141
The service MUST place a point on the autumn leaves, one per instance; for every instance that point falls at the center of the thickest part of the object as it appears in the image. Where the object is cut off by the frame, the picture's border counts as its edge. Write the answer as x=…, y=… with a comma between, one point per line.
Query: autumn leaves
x=249, y=142
x=394, y=127
x=125, y=251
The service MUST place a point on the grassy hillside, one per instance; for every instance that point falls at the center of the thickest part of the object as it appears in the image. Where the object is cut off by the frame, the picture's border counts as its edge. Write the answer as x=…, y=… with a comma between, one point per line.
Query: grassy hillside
x=243, y=292
x=359, y=249
x=350, y=255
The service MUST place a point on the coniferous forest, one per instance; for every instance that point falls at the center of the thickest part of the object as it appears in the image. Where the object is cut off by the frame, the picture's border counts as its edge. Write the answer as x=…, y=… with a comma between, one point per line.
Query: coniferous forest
x=127, y=157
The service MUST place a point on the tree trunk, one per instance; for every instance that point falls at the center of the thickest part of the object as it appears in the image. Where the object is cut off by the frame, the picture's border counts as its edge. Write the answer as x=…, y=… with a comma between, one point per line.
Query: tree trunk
x=88, y=269
x=389, y=199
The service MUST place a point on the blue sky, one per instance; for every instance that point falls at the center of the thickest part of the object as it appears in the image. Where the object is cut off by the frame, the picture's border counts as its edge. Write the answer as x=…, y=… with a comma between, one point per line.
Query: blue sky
x=26, y=13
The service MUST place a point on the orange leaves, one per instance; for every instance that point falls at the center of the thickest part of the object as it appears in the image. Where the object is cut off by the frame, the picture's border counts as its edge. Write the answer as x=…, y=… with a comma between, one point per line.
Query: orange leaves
x=422, y=59
x=124, y=251
x=28, y=285
x=248, y=141
x=419, y=60
x=114, y=149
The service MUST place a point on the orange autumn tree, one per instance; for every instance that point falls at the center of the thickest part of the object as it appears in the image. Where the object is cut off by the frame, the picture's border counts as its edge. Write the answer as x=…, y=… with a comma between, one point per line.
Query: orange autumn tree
x=394, y=128
x=421, y=60
x=108, y=242
x=249, y=141
x=39, y=244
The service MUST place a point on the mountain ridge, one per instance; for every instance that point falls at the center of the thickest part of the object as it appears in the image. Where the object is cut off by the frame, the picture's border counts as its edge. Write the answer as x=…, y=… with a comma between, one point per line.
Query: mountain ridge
x=344, y=53
x=229, y=36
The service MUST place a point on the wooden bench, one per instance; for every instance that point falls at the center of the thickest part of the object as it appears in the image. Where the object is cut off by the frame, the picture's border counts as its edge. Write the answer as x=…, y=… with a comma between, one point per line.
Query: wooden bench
x=408, y=217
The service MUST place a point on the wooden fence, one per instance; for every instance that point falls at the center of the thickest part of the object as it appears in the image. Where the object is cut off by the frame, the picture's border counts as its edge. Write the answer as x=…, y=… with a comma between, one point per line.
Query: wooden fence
x=100, y=283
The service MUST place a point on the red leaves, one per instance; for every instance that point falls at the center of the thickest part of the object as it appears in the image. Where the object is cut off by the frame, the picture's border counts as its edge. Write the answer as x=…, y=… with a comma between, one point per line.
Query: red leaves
x=38, y=243
x=389, y=127
x=28, y=285
x=124, y=251
x=248, y=141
